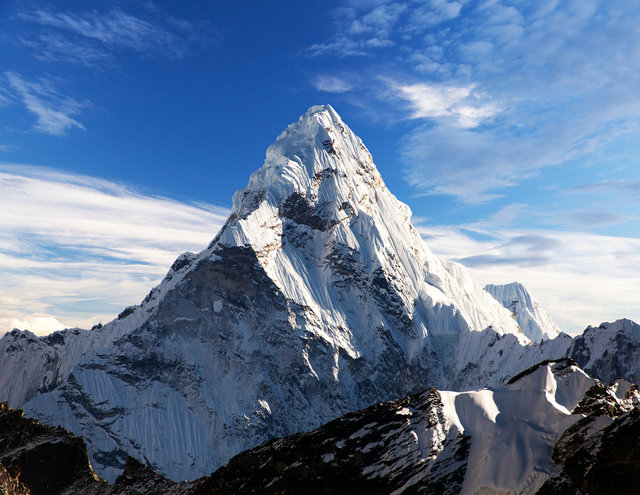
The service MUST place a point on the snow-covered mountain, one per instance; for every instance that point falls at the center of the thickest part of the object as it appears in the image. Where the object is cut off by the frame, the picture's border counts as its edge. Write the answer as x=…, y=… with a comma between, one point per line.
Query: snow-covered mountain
x=316, y=298
x=609, y=351
x=532, y=319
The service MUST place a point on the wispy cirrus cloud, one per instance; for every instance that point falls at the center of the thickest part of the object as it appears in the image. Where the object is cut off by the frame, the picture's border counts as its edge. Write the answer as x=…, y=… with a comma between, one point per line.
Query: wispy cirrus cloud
x=94, y=36
x=53, y=47
x=629, y=188
x=5, y=97
x=118, y=29
x=332, y=84
x=54, y=112
x=92, y=39
x=77, y=249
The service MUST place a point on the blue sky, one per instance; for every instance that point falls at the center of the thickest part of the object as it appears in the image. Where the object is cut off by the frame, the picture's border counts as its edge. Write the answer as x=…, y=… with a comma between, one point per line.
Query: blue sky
x=511, y=129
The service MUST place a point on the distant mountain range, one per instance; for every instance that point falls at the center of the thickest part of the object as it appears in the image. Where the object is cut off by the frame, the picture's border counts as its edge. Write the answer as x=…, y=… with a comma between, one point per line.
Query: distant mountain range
x=317, y=298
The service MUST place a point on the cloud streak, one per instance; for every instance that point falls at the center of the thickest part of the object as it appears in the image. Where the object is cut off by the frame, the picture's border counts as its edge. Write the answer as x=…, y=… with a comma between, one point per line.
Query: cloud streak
x=117, y=29
x=54, y=112
x=629, y=188
x=456, y=105
x=93, y=37
x=332, y=84
x=78, y=249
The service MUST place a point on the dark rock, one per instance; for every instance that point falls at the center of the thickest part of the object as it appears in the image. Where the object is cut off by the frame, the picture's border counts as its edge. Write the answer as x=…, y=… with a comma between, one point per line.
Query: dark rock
x=44, y=459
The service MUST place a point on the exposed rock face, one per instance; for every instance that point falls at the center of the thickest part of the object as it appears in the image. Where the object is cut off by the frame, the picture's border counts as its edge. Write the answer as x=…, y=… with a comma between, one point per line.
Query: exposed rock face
x=10, y=485
x=609, y=351
x=39, y=458
x=551, y=429
x=600, y=453
x=404, y=445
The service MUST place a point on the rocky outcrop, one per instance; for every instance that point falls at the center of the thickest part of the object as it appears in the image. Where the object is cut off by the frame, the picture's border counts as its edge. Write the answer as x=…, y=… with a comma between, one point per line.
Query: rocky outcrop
x=40, y=458
x=600, y=454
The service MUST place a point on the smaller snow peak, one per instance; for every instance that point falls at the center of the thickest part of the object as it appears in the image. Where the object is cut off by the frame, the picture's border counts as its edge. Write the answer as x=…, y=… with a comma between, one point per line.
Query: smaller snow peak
x=608, y=331
x=518, y=293
x=532, y=319
x=557, y=365
x=562, y=381
x=623, y=324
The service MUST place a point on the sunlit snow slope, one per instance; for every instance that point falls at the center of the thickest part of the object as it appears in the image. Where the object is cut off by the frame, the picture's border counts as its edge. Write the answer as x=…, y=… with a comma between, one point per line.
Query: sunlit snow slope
x=532, y=319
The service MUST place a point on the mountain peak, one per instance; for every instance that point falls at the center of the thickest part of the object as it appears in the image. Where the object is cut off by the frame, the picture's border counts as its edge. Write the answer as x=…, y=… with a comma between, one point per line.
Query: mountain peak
x=317, y=213
x=533, y=320
x=318, y=158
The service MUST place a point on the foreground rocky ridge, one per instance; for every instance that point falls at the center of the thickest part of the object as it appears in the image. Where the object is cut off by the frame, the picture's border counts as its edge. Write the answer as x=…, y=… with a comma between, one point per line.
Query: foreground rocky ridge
x=552, y=429
x=38, y=459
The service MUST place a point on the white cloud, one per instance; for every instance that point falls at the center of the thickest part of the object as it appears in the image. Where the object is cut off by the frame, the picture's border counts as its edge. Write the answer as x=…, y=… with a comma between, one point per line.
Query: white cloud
x=79, y=249
x=380, y=20
x=54, y=112
x=360, y=30
x=509, y=89
x=332, y=84
x=40, y=325
x=116, y=29
x=564, y=77
x=431, y=13
x=453, y=103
